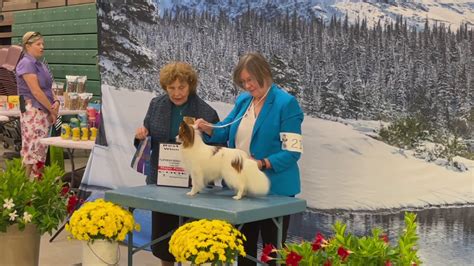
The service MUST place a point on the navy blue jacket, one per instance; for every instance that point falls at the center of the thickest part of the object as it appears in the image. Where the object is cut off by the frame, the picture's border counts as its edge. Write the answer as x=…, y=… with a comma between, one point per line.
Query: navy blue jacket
x=158, y=120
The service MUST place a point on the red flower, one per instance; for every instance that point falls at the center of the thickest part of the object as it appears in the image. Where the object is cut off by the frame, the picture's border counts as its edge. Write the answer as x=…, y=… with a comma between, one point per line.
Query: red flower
x=39, y=165
x=269, y=248
x=384, y=237
x=318, y=240
x=64, y=191
x=343, y=253
x=265, y=258
x=388, y=263
x=71, y=203
x=37, y=170
x=293, y=259
x=328, y=263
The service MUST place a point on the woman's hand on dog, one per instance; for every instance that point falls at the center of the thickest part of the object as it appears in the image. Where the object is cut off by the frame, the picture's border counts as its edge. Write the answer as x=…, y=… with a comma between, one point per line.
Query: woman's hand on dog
x=141, y=133
x=203, y=126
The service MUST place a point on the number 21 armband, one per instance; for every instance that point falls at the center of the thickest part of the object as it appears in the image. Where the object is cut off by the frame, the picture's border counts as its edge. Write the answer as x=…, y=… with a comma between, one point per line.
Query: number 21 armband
x=291, y=142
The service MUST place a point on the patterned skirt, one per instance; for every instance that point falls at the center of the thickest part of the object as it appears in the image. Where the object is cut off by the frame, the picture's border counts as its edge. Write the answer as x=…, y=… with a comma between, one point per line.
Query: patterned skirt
x=34, y=126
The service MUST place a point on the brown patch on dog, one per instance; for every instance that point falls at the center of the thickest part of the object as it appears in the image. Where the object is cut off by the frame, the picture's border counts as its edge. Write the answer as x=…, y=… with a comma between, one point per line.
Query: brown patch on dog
x=189, y=120
x=216, y=150
x=186, y=134
x=237, y=164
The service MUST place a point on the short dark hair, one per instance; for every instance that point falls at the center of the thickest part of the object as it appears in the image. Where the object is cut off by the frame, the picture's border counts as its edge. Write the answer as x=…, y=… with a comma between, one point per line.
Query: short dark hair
x=181, y=71
x=256, y=65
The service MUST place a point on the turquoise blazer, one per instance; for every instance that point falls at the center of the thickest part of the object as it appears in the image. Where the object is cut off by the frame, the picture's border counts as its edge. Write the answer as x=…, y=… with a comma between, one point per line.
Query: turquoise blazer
x=280, y=113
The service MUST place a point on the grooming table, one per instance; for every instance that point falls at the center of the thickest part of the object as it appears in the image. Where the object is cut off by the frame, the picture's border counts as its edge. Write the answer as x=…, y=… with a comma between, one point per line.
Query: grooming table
x=211, y=204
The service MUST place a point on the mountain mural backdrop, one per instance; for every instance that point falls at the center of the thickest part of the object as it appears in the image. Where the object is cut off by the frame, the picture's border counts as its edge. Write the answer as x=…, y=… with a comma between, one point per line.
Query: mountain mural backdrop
x=334, y=63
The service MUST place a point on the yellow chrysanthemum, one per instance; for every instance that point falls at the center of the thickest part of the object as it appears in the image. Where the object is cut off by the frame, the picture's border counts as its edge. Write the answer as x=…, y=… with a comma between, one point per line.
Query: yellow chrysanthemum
x=206, y=241
x=101, y=220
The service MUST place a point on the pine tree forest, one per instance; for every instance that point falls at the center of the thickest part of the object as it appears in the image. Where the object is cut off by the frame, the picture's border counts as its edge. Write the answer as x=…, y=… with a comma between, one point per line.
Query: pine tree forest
x=385, y=72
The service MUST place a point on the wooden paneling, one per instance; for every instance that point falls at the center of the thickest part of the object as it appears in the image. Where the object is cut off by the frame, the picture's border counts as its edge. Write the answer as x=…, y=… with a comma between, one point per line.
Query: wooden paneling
x=16, y=5
x=5, y=34
x=79, y=2
x=7, y=18
x=56, y=14
x=51, y=3
x=68, y=42
x=79, y=26
x=69, y=28
x=13, y=6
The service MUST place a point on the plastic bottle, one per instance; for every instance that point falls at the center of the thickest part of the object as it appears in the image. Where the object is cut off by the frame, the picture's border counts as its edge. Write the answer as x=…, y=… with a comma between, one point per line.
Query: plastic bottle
x=93, y=133
x=65, y=131
x=85, y=133
x=76, y=134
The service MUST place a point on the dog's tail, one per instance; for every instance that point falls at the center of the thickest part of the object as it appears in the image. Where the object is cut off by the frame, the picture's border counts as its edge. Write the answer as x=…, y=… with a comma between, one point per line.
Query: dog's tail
x=258, y=183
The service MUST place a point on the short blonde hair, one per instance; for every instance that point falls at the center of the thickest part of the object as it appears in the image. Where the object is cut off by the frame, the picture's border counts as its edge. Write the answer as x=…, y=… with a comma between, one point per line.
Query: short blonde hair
x=256, y=65
x=181, y=71
x=30, y=37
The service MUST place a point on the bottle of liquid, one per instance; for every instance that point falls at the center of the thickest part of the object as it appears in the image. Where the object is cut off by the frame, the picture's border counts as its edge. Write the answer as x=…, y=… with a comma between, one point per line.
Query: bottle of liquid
x=65, y=131
x=85, y=133
x=93, y=133
x=76, y=134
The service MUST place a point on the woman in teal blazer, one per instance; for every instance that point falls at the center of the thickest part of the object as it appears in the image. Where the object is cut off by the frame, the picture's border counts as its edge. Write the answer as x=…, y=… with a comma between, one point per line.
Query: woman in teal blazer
x=266, y=123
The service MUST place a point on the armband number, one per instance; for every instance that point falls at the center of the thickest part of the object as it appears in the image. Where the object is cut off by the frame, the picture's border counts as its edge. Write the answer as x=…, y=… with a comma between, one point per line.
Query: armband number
x=291, y=142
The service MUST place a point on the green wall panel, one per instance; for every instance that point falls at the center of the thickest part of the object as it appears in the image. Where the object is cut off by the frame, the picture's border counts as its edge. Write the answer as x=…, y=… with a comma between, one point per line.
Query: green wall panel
x=81, y=57
x=57, y=27
x=71, y=43
x=55, y=14
x=66, y=42
x=60, y=71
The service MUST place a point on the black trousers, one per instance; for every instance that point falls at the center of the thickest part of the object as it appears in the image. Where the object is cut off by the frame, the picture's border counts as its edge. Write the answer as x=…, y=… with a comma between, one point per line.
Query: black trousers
x=161, y=224
x=268, y=230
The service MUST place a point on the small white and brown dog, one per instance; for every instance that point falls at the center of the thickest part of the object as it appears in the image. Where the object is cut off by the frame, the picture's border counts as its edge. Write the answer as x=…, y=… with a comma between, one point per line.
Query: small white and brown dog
x=208, y=163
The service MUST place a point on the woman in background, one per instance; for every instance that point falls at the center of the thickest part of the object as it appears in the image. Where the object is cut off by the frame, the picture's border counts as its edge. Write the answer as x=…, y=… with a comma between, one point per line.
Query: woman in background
x=38, y=104
x=266, y=123
x=164, y=115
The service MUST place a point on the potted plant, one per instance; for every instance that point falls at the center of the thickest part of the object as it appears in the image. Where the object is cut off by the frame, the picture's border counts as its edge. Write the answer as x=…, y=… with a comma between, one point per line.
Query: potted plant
x=347, y=249
x=100, y=225
x=207, y=241
x=28, y=209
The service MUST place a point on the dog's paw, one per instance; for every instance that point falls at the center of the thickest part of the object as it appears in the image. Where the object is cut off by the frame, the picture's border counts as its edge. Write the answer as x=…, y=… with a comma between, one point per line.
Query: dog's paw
x=237, y=197
x=191, y=193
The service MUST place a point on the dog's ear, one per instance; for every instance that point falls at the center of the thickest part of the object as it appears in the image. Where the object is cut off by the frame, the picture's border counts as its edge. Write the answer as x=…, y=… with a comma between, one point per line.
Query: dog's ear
x=189, y=120
x=186, y=133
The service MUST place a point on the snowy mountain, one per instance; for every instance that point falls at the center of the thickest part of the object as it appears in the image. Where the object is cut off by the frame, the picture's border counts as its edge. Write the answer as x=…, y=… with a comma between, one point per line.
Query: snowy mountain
x=449, y=12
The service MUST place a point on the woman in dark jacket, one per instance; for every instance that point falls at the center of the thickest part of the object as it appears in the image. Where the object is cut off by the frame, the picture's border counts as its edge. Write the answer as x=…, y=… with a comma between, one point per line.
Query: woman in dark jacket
x=162, y=120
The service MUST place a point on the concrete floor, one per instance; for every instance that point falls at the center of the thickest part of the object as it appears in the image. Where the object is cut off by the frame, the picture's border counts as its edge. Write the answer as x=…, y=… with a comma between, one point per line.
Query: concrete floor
x=69, y=252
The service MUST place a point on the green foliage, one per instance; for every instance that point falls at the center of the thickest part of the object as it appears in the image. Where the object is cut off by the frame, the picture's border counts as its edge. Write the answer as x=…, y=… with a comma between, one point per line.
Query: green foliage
x=406, y=133
x=24, y=201
x=347, y=249
x=453, y=147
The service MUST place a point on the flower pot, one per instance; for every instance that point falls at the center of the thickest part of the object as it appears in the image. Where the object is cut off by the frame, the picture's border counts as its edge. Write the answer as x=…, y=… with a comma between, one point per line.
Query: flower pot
x=101, y=252
x=20, y=247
